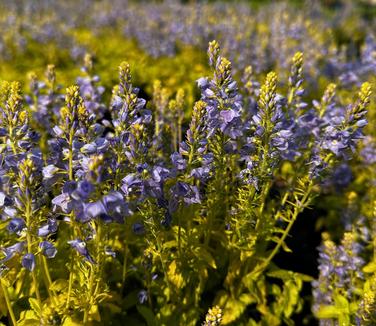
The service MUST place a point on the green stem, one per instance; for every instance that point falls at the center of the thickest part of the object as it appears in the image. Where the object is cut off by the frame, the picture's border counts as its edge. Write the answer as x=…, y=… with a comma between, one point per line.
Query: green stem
x=12, y=140
x=36, y=285
x=179, y=235
x=8, y=303
x=291, y=96
x=48, y=280
x=70, y=282
x=96, y=270
x=219, y=181
x=118, y=161
x=159, y=247
x=85, y=317
x=88, y=306
x=99, y=255
x=46, y=271
x=264, y=195
x=149, y=290
x=297, y=210
x=28, y=212
x=175, y=137
x=70, y=175
x=124, y=263
x=70, y=157
x=179, y=132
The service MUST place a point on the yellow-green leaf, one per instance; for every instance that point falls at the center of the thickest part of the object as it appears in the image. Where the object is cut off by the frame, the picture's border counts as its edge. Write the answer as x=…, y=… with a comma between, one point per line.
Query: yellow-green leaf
x=34, y=304
x=370, y=268
x=94, y=313
x=175, y=276
x=327, y=312
x=59, y=285
x=68, y=321
x=207, y=257
x=28, y=318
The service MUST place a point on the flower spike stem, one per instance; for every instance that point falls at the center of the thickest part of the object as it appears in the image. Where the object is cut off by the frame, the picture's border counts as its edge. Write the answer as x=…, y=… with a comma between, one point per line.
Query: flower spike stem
x=28, y=216
x=8, y=303
x=47, y=279
x=298, y=208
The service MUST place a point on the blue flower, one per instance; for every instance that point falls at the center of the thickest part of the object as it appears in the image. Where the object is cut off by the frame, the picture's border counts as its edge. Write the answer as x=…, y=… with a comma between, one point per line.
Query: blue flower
x=28, y=261
x=48, y=228
x=178, y=161
x=188, y=193
x=160, y=173
x=50, y=171
x=138, y=228
x=64, y=202
x=69, y=187
x=142, y=296
x=201, y=173
x=340, y=266
x=337, y=141
x=132, y=185
x=95, y=209
x=89, y=149
x=109, y=252
x=5, y=200
x=48, y=249
x=369, y=151
x=10, y=251
x=116, y=207
x=80, y=247
x=83, y=191
x=16, y=225
x=342, y=176
x=224, y=105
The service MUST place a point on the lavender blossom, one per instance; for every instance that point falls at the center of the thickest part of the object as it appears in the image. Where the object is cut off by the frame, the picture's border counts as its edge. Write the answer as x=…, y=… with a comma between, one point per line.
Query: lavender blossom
x=80, y=247
x=28, y=261
x=48, y=249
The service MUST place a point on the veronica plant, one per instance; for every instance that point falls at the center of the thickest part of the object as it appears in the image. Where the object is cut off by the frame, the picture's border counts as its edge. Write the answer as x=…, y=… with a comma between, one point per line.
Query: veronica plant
x=110, y=221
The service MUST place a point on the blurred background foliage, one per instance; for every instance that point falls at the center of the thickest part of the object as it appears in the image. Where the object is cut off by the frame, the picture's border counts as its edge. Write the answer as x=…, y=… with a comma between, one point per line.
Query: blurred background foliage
x=109, y=44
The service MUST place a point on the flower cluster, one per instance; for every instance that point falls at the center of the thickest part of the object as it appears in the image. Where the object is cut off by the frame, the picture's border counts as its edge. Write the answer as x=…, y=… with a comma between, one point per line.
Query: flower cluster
x=213, y=317
x=340, y=272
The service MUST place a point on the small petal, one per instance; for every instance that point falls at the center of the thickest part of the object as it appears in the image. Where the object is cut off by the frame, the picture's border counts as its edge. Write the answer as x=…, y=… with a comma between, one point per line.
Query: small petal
x=28, y=261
